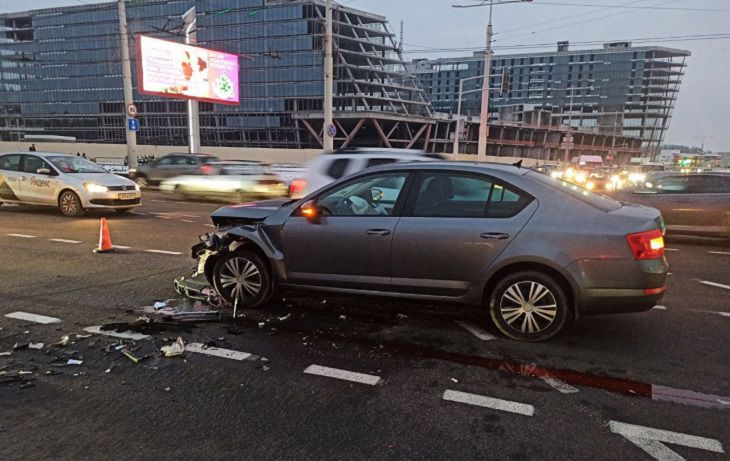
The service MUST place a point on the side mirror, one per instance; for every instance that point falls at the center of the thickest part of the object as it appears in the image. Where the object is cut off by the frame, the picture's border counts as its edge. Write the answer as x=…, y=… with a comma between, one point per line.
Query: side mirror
x=44, y=171
x=309, y=210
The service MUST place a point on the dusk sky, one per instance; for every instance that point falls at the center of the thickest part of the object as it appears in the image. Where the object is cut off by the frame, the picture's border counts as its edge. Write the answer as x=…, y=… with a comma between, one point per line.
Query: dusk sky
x=702, y=107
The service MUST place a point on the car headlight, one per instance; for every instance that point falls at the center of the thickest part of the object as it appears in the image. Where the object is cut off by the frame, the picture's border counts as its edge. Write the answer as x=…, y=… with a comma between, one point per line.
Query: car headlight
x=615, y=178
x=95, y=188
x=580, y=177
x=649, y=185
x=590, y=185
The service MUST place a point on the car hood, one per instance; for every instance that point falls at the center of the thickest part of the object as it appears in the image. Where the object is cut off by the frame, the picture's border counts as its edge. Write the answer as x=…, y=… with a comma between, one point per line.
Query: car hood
x=247, y=212
x=103, y=179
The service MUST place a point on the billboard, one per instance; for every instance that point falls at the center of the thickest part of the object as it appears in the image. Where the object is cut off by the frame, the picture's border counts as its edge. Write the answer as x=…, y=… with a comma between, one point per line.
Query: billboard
x=175, y=70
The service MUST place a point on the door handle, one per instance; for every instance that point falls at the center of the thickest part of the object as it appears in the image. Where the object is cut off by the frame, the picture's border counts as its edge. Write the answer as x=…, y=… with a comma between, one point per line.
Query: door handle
x=494, y=235
x=377, y=232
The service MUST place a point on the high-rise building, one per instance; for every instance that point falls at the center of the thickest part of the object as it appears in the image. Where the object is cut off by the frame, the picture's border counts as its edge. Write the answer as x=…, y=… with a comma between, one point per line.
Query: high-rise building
x=619, y=89
x=60, y=75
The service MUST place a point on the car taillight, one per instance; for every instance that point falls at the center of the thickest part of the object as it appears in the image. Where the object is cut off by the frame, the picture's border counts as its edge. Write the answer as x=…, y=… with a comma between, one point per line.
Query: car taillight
x=646, y=245
x=297, y=187
x=206, y=169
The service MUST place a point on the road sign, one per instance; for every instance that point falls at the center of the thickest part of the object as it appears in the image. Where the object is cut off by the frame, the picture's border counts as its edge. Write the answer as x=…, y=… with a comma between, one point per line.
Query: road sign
x=331, y=131
x=133, y=124
x=132, y=110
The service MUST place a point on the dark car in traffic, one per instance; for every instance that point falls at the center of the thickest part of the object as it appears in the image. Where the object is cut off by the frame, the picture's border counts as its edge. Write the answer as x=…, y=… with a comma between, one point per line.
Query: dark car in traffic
x=694, y=204
x=172, y=165
x=535, y=252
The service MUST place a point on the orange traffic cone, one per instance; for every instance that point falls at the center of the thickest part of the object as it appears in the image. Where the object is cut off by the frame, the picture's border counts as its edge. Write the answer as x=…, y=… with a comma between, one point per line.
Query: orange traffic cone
x=105, y=239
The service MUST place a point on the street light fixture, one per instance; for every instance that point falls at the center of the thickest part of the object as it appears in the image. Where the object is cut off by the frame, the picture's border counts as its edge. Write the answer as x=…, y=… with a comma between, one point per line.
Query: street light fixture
x=484, y=117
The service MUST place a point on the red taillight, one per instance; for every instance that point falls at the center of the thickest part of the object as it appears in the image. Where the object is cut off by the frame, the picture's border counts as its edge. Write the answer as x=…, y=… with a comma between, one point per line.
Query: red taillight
x=206, y=169
x=646, y=245
x=297, y=187
x=654, y=291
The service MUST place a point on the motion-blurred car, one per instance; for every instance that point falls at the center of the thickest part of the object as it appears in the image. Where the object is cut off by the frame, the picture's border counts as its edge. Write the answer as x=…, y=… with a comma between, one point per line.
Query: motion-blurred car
x=237, y=181
x=172, y=165
x=535, y=252
x=338, y=164
x=71, y=183
x=692, y=204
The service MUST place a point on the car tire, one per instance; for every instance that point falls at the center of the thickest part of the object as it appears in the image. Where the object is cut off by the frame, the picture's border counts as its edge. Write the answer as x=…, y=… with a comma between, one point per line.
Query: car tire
x=244, y=275
x=513, y=303
x=70, y=204
x=141, y=181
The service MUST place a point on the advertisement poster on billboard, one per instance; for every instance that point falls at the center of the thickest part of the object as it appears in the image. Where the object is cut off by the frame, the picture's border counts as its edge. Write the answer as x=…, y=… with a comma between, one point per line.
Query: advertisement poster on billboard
x=175, y=70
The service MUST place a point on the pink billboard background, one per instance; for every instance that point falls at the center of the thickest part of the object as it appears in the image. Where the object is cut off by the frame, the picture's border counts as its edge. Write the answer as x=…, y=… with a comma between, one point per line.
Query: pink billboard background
x=174, y=70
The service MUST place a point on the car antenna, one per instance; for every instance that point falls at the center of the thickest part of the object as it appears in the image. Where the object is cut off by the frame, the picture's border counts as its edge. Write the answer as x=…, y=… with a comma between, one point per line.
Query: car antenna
x=518, y=164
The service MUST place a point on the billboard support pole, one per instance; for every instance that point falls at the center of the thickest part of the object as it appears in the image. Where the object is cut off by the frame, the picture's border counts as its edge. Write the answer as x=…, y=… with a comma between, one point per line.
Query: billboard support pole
x=191, y=38
x=327, y=132
x=127, y=81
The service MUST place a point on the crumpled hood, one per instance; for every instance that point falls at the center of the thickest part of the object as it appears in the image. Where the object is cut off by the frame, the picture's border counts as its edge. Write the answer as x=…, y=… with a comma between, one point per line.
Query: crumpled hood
x=255, y=211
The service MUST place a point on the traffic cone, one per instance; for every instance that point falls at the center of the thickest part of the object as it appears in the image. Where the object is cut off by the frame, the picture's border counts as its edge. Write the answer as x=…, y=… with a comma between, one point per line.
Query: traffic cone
x=105, y=239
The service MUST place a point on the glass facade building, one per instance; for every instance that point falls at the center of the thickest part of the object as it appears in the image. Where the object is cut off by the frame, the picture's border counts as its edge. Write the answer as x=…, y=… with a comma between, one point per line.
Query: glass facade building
x=618, y=89
x=60, y=72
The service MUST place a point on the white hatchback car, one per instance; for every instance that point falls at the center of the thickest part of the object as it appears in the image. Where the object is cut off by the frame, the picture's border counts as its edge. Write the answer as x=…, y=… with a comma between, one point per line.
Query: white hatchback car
x=71, y=183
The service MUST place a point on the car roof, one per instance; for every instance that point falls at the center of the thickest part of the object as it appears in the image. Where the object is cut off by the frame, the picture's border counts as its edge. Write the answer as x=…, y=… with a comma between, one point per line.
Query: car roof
x=39, y=154
x=482, y=167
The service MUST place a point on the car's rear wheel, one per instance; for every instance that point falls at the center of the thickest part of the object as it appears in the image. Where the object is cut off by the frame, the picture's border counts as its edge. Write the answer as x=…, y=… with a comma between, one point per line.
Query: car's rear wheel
x=529, y=306
x=242, y=277
x=70, y=204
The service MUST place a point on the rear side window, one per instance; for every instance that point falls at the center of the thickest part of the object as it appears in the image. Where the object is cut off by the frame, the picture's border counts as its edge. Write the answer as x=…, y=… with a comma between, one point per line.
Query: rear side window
x=337, y=168
x=10, y=162
x=584, y=195
x=379, y=161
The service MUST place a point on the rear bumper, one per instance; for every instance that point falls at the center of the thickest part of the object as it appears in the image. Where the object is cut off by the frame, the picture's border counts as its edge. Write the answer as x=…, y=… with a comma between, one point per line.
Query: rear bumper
x=618, y=285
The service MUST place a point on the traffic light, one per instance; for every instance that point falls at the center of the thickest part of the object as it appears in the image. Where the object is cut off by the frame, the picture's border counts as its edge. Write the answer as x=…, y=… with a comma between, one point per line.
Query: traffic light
x=506, y=82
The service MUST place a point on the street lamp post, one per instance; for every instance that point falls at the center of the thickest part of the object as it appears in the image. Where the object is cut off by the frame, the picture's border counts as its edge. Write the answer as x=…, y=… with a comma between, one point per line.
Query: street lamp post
x=191, y=38
x=458, y=113
x=484, y=116
x=569, y=139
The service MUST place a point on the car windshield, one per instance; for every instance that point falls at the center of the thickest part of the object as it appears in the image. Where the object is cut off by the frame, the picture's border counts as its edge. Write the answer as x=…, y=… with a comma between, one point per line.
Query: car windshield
x=584, y=195
x=68, y=164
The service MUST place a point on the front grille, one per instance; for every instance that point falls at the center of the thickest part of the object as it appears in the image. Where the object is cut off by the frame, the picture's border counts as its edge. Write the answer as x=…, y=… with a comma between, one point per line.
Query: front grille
x=120, y=188
x=114, y=202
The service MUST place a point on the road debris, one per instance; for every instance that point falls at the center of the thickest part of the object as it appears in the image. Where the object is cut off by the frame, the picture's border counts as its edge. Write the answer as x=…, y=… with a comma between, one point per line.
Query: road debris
x=159, y=304
x=174, y=350
x=74, y=362
x=18, y=346
x=132, y=357
x=35, y=345
x=63, y=342
x=5, y=354
x=286, y=317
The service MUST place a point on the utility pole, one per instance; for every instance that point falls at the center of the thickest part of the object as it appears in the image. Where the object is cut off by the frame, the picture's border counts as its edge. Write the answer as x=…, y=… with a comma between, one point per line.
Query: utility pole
x=127, y=83
x=459, y=128
x=328, y=130
x=191, y=38
x=484, y=118
x=569, y=137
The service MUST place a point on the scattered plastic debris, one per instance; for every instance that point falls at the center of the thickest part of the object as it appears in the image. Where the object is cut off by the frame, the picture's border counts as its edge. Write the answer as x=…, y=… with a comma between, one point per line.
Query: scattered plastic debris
x=343, y=317
x=4, y=354
x=35, y=345
x=160, y=304
x=286, y=317
x=111, y=367
x=266, y=368
x=455, y=380
x=262, y=324
x=167, y=389
x=402, y=316
x=131, y=356
x=175, y=349
x=74, y=362
x=18, y=346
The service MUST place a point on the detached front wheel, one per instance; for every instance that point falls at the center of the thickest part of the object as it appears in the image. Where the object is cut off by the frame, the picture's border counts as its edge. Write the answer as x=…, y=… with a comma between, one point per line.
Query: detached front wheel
x=242, y=277
x=529, y=306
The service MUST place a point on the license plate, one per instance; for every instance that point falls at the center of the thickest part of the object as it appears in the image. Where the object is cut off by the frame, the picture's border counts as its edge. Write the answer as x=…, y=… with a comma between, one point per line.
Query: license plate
x=127, y=196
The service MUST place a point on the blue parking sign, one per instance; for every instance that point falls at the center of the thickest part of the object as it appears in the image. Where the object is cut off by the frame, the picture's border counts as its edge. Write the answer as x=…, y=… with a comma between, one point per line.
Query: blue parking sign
x=133, y=124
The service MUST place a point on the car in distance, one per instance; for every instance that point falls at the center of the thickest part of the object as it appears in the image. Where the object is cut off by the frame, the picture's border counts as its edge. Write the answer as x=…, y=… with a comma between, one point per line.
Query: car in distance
x=172, y=165
x=71, y=183
x=535, y=252
x=694, y=204
x=335, y=165
x=237, y=181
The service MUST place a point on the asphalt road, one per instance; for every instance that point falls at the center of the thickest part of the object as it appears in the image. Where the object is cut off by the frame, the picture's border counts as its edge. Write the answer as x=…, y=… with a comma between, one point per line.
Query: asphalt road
x=430, y=381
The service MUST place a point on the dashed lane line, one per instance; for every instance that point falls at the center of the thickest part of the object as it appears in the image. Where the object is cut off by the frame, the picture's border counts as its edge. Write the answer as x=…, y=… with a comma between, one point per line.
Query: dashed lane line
x=489, y=402
x=199, y=348
x=163, y=252
x=115, y=334
x=713, y=284
x=186, y=220
x=660, y=308
x=346, y=375
x=35, y=318
x=65, y=241
x=726, y=253
x=671, y=249
x=190, y=216
x=22, y=236
x=121, y=247
x=723, y=314
x=476, y=331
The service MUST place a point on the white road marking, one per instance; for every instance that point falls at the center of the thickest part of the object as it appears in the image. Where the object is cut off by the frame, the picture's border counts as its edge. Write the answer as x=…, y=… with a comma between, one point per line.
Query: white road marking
x=217, y=352
x=724, y=314
x=489, y=402
x=558, y=385
x=23, y=236
x=190, y=216
x=476, y=331
x=342, y=374
x=652, y=440
x=660, y=308
x=186, y=220
x=18, y=315
x=65, y=241
x=121, y=247
x=158, y=201
x=209, y=225
x=163, y=217
x=671, y=249
x=713, y=284
x=163, y=252
x=125, y=334
x=719, y=252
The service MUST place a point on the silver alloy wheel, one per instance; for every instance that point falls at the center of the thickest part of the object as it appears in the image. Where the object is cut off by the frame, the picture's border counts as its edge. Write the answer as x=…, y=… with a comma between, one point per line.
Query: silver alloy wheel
x=242, y=277
x=528, y=307
x=69, y=204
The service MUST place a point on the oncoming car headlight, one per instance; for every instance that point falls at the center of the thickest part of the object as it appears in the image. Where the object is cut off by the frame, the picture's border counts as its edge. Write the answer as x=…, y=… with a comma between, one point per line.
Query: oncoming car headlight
x=590, y=185
x=95, y=188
